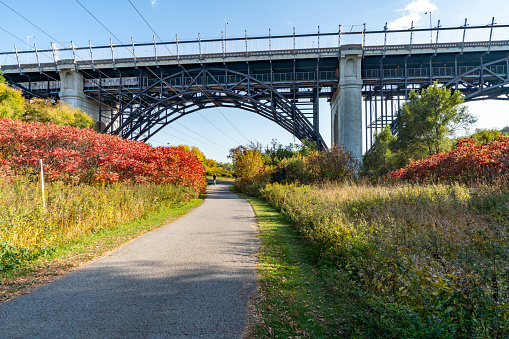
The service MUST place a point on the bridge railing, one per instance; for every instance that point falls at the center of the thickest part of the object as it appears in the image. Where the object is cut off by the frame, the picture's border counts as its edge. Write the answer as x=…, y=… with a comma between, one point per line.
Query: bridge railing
x=133, y=82
x=375, y=40
x=438, y=72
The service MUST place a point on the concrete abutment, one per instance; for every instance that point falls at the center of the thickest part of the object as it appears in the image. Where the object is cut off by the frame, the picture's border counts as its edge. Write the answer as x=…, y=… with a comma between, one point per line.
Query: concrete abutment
x=346, y=104
x=71, y=92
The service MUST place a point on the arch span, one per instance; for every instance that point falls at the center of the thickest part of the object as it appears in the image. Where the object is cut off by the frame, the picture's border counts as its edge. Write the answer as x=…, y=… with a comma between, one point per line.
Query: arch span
x=169, y=98
x=486, y=81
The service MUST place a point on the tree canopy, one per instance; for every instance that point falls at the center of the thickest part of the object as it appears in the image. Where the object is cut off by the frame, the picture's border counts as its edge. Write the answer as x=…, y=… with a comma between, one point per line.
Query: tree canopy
x=425, y=125
x=428, y=117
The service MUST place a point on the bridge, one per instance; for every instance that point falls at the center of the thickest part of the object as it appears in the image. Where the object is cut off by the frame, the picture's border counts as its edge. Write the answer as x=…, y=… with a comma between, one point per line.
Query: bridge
x=135, y=90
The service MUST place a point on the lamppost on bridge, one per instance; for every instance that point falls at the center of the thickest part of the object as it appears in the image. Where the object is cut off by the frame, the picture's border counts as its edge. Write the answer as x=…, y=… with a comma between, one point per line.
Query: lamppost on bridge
x=430, y=27
x=225, y=35
x=28, y=44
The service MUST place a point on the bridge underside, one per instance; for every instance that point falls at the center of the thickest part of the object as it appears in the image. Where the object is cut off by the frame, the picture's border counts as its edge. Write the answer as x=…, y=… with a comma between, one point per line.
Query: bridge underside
x=138, y=101
x=388, y=80
x=162, y=100
x=135, y=98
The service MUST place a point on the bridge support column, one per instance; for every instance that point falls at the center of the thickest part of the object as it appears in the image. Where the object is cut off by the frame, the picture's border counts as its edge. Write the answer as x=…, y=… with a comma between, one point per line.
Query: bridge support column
x=71, y=92
x=346, y=104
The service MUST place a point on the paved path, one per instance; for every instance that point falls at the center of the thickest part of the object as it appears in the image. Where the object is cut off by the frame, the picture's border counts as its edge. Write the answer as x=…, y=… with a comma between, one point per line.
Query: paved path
x=189, y=279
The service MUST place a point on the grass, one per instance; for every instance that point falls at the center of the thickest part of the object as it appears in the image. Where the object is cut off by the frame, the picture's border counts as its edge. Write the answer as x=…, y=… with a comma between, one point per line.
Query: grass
x=79, y=223
x=28, y=230
x=70, y=255
x=396, y=262
x=293, y=300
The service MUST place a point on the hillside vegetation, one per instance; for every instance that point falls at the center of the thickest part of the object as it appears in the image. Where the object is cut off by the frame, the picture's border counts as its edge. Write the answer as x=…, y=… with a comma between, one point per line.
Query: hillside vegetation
x=422, y=261
x=14, y=106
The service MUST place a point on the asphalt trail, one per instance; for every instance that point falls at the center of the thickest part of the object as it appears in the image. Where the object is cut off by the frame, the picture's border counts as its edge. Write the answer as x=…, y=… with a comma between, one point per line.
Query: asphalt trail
x=189, y=279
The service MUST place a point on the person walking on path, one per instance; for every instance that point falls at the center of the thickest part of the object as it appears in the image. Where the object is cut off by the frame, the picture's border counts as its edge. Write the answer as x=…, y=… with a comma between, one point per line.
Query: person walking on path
x=191, y=278
x=214, y=177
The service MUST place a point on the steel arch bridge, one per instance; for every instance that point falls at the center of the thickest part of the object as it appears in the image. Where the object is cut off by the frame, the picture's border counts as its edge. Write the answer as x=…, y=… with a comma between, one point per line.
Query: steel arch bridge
x=171, y=97
x=387, y=80
x=134, y=90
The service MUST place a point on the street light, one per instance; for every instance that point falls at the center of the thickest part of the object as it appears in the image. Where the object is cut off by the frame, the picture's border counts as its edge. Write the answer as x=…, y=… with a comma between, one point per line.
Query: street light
x=225, y=35
x=430, y=27
x=28, y=45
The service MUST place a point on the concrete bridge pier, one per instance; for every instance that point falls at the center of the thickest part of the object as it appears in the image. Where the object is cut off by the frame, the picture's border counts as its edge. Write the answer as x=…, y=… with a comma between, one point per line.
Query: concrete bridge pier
x=346, y=104
x=71, y=92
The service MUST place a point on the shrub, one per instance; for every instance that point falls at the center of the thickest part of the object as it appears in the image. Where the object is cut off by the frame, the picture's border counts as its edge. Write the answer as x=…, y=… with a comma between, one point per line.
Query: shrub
x=468, y=162
x=291, y=170
x=61, y=113
x=11, y=102
x=73, y=155
x=335, y=164
x=331, y=165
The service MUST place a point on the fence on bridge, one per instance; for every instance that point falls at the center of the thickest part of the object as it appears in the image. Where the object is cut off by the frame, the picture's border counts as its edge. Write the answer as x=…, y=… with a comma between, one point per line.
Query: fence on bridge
x=372, y=41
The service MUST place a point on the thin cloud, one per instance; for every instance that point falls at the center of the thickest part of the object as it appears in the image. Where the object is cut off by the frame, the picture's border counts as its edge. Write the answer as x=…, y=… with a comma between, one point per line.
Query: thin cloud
x=414, y=11
x=153, y=2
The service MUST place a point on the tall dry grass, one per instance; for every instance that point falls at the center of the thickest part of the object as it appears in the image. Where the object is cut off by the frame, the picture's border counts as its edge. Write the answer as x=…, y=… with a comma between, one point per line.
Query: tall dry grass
x=428, y=261
x=27, y=229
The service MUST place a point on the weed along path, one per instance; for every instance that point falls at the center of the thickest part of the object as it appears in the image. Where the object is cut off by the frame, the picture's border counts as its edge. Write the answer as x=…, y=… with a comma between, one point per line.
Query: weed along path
x=191, y=278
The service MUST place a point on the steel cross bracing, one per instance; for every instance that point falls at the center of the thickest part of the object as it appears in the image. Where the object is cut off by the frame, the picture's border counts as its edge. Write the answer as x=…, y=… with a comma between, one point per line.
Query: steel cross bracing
x=387, y=81
x=160, y=101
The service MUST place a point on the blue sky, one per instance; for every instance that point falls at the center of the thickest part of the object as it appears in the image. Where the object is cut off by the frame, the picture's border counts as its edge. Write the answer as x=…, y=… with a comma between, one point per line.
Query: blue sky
x=66, y=21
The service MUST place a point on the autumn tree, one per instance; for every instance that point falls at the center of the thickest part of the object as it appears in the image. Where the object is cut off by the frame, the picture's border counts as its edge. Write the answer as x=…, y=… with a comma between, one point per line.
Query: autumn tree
x=248, y=166
x=382, y=157
x=427, y=118
x=11, y=102
x=61, y=113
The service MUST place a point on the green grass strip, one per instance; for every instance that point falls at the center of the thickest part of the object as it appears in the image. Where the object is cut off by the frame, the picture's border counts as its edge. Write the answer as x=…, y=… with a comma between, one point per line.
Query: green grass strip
x=292, y=300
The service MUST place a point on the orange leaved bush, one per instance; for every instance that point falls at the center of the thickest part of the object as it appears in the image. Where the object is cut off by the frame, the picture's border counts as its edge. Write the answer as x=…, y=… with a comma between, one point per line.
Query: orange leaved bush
x=74, y=155
x=466, y=162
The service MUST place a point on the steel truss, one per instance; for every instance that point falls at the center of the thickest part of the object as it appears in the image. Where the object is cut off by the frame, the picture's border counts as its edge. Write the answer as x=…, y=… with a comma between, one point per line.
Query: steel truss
x=385, y=89
x=158, y=102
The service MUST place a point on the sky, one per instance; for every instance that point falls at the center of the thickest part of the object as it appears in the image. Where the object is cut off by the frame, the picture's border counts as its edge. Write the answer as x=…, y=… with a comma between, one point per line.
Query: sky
x=70, y=20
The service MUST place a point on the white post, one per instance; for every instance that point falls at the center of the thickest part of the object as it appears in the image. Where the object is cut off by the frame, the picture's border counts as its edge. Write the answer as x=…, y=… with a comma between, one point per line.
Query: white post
x=42, y=186
x=225, y=35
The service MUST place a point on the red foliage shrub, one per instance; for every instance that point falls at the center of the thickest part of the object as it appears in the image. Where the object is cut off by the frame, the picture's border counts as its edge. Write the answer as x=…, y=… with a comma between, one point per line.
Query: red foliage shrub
x=468, y=161
x=77, y=155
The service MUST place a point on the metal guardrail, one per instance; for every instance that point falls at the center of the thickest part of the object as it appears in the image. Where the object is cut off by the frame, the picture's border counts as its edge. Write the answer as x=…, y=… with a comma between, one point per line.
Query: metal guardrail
x=133, y=82
x=438, y=37
x=438, y=72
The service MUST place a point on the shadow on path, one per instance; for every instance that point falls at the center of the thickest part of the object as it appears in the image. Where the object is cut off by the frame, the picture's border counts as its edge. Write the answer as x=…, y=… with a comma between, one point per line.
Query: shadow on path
x=191, y=278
